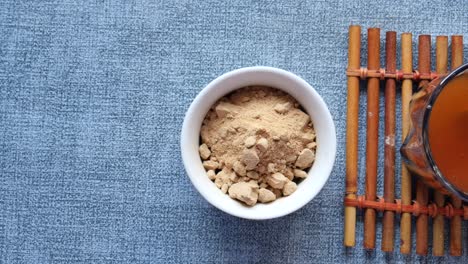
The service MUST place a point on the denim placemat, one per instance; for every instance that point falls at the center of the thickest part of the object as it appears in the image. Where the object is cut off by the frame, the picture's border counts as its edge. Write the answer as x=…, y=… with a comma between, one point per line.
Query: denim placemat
x=92, y=98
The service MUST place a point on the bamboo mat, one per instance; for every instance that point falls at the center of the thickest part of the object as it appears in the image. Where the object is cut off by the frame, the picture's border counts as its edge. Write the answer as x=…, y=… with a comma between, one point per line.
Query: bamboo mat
x=415, y=200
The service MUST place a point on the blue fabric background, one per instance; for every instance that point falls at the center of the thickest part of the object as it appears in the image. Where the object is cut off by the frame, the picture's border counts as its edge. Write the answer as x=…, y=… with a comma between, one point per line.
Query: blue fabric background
x=92, y=98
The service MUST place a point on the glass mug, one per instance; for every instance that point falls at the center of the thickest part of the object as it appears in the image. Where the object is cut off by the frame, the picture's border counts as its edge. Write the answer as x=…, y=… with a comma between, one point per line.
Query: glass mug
x=435, y=149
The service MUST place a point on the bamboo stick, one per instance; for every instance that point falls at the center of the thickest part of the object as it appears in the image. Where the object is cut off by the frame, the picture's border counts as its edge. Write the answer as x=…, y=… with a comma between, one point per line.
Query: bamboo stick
x=373, y=51
x=407, y=90
x=439, y=199
x=457, y=51
x=354, y=54
x=456, y=223
x=424, y=66
x=389, y=150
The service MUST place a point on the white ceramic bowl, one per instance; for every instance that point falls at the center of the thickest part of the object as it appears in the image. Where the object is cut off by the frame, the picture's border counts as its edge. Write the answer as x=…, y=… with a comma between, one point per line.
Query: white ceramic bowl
x=307, y=97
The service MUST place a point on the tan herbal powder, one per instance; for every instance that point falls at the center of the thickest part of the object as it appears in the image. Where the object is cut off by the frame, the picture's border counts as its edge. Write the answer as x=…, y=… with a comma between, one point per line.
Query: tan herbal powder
x=256, y=144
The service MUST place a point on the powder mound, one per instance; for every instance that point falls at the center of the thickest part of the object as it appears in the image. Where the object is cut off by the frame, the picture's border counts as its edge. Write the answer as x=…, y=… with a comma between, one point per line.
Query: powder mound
x=259, y=135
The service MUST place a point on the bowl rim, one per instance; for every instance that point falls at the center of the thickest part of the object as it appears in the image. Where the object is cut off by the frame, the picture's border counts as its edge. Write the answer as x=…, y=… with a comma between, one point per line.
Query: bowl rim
x=327, y=164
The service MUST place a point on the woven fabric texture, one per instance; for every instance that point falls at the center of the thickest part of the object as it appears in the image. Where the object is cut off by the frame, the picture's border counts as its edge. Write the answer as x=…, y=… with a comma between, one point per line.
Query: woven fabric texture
x=92, y=99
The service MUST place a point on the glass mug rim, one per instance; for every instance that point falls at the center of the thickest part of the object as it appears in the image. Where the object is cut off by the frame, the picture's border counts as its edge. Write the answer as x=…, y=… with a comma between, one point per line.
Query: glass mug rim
x=463, y=69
